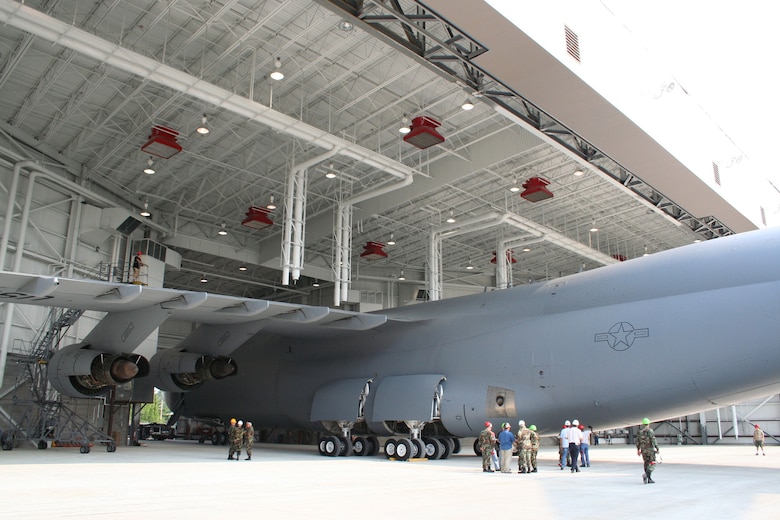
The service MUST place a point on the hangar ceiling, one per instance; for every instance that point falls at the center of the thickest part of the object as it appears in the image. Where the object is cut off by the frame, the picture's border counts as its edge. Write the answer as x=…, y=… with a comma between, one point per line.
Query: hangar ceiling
x=84, y=82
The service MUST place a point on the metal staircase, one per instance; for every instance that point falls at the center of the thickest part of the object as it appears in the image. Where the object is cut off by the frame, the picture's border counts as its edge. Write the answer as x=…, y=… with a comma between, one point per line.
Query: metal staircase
x=38, y=414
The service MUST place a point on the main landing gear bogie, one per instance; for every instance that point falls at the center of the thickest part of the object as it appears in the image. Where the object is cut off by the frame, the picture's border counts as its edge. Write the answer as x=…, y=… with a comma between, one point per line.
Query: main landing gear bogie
x=339, y=446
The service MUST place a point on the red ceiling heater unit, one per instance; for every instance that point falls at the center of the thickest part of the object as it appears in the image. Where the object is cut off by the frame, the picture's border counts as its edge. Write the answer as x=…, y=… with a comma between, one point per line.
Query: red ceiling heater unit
x=423, y=133
x=535, y=189
x=257, y=218
x=509, y=257
x=162, y=142
x=373, y=251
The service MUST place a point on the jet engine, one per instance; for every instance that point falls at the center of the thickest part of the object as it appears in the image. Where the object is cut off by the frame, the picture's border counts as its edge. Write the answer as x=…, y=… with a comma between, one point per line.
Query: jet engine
x=176, y=370
x=80, y=370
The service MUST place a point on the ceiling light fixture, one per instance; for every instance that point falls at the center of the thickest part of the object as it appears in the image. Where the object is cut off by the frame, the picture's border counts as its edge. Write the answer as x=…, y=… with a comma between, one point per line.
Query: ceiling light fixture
x=202, y=129
x=145, y=212
x=469, y=267
x=526, y=249
x=149, y=170
x=316, y=283
x=242, y=268
x=451, y=218
x=578, y=173
x=404, y=125
x=401, y=276
x=593, y=229
x=345, y=25
x=646, y=252
x=467, y=105
x=391, y=242
x=222, y=231
x=271, y=204
x=514, y=188
x=277, y=74
x=203, y=278
x=330, y=173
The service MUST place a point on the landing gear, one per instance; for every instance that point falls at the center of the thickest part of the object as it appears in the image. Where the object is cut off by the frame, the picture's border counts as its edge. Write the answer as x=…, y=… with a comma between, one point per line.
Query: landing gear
x=84, y=449
x=403, y=449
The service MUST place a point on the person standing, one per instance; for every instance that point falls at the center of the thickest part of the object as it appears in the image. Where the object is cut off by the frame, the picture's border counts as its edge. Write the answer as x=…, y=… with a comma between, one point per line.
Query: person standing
x=523, y=449
x=647, y=447
x=249, y=439
x=506, y=440
x=237, y=439
x=584, y=447
x=758, y=439
x=535, y=441
x=137, y=265
x=563, y=444
x=574, y=436
x=231, y=433
x=487, y=443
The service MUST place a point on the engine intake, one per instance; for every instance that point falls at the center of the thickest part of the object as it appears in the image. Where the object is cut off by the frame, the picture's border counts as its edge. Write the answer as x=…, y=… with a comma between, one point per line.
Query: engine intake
x=176, y=370
x=79, y=370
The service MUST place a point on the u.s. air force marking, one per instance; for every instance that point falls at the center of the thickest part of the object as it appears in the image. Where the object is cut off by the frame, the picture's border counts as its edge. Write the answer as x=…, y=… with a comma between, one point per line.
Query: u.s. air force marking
x=622, y=335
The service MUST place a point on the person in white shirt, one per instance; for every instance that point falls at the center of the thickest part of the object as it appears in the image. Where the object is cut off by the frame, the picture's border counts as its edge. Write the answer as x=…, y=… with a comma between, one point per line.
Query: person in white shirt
x=574, y=436
x=564, y=444
x=585, y=445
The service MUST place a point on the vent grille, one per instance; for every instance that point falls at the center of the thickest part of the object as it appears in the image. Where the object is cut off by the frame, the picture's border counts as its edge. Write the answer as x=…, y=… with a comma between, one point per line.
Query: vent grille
x=572, y=43
x=716, y=173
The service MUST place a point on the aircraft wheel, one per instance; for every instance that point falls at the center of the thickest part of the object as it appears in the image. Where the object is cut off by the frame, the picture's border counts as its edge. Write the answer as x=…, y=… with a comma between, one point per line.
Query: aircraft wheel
x=455, y=445
x=373, y=446
x=201, y=440
x=223, y=438
x=42, y=445
x=390, y=446
x=433, y=448
x=403, y=449
x=84, y=449
x=215, y=438
x=111, y=448
x=477, y=449
x=360, y=446
x=447, y=445
x=332, y=446
x=418, y=448
x=346, y=447
x=321, y=445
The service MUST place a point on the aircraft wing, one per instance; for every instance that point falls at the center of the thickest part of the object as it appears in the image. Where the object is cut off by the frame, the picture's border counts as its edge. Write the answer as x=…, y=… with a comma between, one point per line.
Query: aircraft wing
x=148, y=307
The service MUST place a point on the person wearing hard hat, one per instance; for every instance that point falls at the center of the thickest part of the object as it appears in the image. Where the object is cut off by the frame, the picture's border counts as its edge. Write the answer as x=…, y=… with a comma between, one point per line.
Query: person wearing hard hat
x=505, y=441
x=647, y=447
x=574, y=436
x=563, y=445
x=758, y=438
x=524, y=445
x=487, y=443
x=535, y=441
x=231, y=433
x=137, y=265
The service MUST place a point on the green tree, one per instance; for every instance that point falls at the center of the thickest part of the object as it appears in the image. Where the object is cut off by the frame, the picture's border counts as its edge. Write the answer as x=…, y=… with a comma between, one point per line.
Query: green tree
x=157, y=411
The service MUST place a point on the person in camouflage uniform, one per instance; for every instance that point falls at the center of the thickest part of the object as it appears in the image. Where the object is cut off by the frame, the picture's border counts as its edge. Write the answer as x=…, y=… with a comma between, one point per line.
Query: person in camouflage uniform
x=249, y=439
x=231, y=432
x=236, y=440
x=487, y=443
x=524, y=446
x=647, y=447
x=535, y=442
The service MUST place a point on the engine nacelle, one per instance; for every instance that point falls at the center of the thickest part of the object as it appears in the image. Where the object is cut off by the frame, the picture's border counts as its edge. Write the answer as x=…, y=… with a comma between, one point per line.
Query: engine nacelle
x=176, y=370
x=82, y=371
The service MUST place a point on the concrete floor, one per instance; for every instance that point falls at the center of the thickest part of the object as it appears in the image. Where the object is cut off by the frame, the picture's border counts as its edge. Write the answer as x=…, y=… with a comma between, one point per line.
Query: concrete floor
x=181, y=479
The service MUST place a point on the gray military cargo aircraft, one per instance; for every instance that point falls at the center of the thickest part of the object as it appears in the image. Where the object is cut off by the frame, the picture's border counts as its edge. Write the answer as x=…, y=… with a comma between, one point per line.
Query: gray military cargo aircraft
x=661, y=336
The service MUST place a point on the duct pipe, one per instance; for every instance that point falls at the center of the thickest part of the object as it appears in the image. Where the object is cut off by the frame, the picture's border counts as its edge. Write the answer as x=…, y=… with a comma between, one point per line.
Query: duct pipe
x=343, y=234
x=734, y=421
x=703, y=428
x=503, y=278
x=294, y=208
x=720, y=428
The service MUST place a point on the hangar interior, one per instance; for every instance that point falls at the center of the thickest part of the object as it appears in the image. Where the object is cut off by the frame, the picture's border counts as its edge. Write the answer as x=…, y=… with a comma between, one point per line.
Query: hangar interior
x=254, y=149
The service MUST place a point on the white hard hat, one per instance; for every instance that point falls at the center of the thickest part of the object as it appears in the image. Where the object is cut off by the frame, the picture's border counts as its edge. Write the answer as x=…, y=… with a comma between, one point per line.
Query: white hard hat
x=240, y=422
x=567, y=423
x=575, y=422
x=521, y=423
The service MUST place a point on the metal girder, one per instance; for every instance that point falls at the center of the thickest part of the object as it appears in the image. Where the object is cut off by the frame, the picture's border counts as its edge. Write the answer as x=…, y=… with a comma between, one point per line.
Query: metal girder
x=417, y=28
